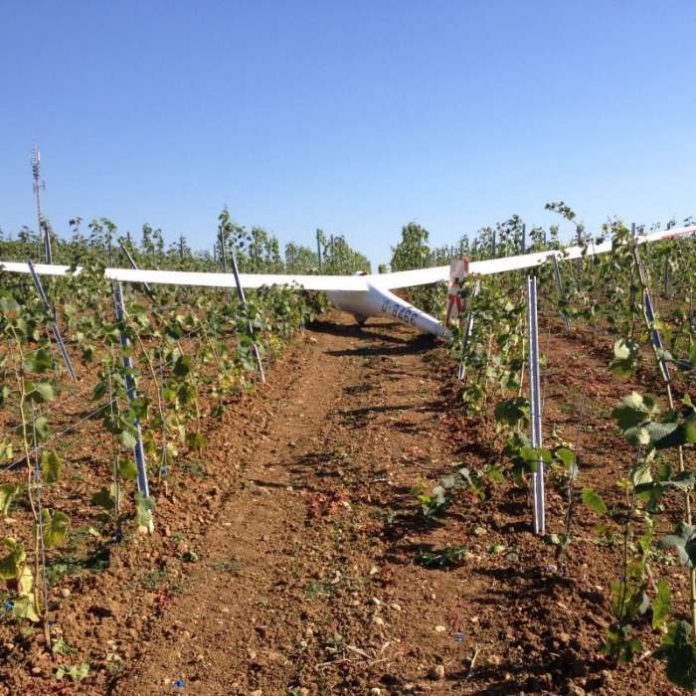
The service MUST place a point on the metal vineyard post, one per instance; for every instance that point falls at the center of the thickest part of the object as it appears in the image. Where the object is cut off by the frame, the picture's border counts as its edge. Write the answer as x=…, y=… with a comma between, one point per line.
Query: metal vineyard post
x=535, y=402
x=139, y=449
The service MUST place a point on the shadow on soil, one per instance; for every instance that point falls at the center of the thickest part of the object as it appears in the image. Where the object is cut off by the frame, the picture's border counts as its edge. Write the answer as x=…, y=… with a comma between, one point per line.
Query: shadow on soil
x=355, y=331
x=420, y=344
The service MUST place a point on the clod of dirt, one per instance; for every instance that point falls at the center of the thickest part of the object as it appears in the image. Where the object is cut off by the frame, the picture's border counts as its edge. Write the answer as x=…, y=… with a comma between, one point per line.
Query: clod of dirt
x=437, y=673
x=104, y=610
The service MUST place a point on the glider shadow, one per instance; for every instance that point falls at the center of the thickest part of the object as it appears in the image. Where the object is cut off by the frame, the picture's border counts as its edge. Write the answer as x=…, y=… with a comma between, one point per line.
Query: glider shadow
x=353, y=331
x=418, y=345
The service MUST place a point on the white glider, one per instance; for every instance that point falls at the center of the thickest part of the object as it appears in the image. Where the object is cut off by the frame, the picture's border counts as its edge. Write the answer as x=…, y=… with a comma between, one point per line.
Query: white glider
x=363, y=295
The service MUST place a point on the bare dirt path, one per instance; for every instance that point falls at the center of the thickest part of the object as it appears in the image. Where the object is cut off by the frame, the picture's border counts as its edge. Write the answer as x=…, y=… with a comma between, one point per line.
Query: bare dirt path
x=270, y=581
x=210, y=635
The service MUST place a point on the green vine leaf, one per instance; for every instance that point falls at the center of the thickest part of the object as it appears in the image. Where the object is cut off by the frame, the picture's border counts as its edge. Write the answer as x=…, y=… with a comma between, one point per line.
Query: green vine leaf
x=144, y=507
x=11, y=565
x=127, y=469
x=25, y=608
x=620, y=645
x=62, y=647
x=7, y=494
x=105, y=498
x=6, y=451
x=40, y=361
x=680, y=654
x=683, y=541
x=74, y=672
x=182, y=366
x=40, y=392
x=641, y=472
x=593, y=500
x=512, y=411
x=55, y=527
x=662, y=604
x=127, y=439
x=666, y=435
x=690, y=430
x=25, y=583
x=633, y=414
x=51, y=466
x=566, y=456
x=626, y=352
x=8, y=304
x=684, y=481
x=41, y=427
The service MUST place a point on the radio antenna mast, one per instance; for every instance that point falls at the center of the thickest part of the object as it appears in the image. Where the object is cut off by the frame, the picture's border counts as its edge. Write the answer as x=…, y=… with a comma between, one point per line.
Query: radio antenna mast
x=39, y=186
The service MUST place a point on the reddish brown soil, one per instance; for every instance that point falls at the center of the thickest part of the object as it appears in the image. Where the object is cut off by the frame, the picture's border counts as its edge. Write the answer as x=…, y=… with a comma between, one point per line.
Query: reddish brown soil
x=288, y=564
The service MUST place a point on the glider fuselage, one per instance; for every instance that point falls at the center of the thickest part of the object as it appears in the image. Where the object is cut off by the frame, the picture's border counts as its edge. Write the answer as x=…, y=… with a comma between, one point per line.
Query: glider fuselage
x=380, y=302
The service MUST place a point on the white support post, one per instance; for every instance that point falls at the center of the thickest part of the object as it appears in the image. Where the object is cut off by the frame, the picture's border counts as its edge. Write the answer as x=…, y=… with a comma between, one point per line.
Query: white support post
x=559, y=288
x=535, y=402
x=468, y=330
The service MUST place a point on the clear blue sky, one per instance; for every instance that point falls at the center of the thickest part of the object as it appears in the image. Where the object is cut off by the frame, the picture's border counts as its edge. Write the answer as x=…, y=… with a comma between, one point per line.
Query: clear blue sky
x=355, y=117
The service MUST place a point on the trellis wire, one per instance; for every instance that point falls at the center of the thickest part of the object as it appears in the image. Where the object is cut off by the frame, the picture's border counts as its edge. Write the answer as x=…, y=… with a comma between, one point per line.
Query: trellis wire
x=85, y=418
x=67, y=430
x=36, y=350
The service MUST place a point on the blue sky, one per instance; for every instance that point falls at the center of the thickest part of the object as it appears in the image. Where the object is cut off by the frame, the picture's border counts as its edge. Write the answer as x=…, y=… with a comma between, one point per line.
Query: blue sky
x=356, y=117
